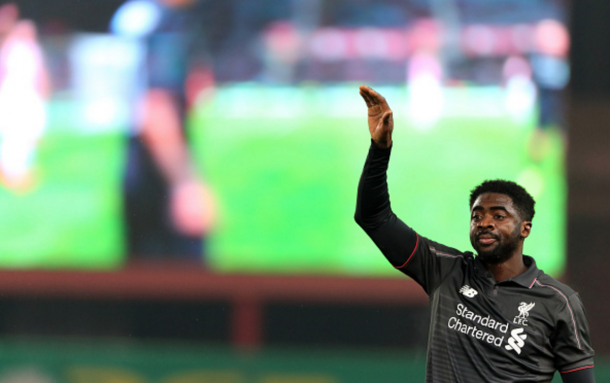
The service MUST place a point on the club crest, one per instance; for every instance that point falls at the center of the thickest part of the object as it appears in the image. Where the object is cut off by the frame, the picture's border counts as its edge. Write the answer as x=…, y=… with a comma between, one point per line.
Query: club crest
x=524, y=313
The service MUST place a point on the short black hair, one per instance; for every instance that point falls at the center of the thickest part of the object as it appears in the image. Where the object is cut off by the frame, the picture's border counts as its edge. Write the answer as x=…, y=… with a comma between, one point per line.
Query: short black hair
x=522, y=200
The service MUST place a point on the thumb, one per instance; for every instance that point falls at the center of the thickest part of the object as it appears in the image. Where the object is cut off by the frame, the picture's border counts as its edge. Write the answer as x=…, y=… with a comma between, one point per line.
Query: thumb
x=387, y=117
x=383, y=133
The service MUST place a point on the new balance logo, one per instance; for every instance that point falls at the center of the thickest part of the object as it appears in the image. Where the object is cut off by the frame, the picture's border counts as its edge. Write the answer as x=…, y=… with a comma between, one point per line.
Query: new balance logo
x=468, y=291
x=516, y=340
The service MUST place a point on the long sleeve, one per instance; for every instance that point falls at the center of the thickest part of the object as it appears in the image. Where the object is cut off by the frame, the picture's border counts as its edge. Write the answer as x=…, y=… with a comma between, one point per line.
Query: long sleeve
x=396, y=240
x=426, y=261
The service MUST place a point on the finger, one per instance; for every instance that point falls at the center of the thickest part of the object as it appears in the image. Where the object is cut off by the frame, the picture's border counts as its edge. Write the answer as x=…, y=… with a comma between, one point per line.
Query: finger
x=365, y=95
x=364, y=88
x=365, y=98
x=378, y=99
x=367, y=92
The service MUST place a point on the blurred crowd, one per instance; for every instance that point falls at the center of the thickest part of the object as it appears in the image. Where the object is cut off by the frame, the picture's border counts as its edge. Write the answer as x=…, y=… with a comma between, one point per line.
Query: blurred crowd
x=293, y=41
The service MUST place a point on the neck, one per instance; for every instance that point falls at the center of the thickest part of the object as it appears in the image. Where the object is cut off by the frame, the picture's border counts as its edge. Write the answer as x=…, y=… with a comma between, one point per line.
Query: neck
x=509, y=268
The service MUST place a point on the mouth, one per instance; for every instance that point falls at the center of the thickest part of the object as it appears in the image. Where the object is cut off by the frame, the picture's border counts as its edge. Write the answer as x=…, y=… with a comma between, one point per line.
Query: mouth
x=486, y=239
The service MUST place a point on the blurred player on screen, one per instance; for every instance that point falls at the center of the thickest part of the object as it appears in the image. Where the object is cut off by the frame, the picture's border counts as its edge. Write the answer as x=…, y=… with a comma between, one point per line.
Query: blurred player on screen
x=168, y=206
x=24, y=89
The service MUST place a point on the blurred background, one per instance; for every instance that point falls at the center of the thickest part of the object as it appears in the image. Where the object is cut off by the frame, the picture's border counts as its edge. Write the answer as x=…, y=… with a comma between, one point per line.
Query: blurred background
x=178, y=177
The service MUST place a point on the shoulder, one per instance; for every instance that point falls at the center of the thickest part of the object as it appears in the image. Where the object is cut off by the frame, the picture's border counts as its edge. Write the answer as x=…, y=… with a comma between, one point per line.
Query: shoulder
x=560, y=297
x=440, y=250
x=553, y=286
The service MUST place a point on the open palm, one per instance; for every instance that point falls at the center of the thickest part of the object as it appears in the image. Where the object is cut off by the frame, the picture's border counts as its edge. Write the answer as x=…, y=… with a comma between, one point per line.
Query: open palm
x=380, y=118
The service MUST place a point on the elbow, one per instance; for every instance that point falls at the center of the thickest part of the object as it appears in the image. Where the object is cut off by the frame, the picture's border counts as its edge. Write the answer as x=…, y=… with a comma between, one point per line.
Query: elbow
x=358, y=219
x=366, y=223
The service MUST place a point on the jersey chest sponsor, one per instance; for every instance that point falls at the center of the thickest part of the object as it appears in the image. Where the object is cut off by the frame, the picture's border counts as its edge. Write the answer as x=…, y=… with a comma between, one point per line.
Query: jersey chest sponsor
x=485, y=328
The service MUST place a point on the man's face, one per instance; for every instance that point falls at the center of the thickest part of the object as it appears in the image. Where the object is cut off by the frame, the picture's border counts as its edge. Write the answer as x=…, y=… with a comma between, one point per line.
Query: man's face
x=496, y=228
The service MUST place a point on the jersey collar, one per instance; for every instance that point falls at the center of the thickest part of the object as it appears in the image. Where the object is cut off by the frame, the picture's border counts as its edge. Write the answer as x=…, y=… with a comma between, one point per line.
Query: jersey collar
x=525, y=279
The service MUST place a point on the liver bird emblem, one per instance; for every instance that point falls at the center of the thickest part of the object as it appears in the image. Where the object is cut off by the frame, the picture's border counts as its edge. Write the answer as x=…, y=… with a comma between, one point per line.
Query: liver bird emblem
x=524, y=309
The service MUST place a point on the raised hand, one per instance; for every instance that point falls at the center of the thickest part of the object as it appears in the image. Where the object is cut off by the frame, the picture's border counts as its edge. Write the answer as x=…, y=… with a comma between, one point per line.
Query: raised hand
x=381, y=122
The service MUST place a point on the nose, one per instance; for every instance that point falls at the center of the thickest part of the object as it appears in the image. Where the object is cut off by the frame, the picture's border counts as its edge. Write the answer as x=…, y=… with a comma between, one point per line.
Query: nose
x=485, y=222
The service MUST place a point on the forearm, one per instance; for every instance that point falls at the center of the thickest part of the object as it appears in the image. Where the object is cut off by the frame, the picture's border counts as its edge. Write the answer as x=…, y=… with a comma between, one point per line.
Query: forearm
x=373, y=201
x=162, y=134
x=581, y=376
x=374, y=213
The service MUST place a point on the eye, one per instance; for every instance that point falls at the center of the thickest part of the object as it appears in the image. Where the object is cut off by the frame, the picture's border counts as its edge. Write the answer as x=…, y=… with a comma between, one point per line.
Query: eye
x=476, y=217
x=499, y=216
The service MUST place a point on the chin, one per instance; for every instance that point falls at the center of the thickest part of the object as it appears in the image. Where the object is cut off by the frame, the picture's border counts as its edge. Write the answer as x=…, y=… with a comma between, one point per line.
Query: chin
x=496, y=255
x=491, y=258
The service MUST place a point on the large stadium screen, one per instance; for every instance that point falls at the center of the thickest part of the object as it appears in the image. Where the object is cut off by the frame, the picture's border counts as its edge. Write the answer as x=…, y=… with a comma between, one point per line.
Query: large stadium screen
x=238, y=126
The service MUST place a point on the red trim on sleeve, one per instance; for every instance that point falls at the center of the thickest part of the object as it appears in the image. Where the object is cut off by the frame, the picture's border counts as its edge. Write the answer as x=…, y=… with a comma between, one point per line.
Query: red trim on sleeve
x=575, y=369
x=408, y=259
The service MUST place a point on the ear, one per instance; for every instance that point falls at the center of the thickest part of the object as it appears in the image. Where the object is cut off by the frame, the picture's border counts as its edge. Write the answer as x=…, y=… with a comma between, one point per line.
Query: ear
x=526, y=228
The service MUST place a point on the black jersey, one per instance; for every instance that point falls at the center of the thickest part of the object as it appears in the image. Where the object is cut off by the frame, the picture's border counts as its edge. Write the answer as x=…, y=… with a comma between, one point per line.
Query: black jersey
x=519, y=330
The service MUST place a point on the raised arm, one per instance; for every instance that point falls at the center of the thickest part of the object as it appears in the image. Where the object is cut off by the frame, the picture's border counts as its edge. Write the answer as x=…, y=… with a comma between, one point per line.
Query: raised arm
x=415, y=256
x=373, y=211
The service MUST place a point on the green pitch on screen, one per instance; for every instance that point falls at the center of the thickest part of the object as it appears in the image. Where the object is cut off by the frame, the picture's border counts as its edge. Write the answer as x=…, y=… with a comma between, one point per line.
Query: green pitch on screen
x=285, y=164
x=69, y=218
